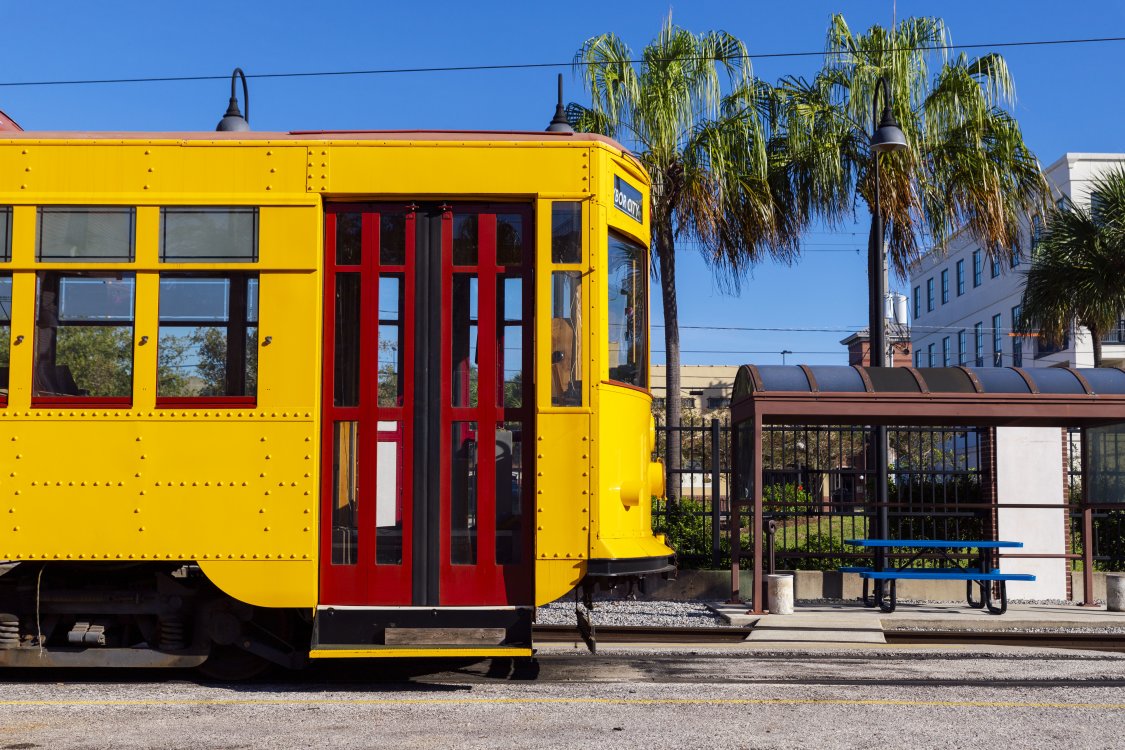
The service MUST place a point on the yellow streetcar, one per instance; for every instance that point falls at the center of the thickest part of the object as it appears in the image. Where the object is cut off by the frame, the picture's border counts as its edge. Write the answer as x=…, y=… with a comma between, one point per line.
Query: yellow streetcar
x=278, y=396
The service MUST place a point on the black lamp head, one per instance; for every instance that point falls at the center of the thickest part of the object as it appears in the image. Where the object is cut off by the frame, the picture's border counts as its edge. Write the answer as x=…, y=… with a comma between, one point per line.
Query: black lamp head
x=888, y=136
x=559, y=123
x=233, y=121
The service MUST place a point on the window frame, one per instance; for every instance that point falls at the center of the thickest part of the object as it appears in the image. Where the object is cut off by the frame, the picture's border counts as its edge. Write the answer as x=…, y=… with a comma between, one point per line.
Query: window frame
x=945, y=286
x=960, y=268
x=7, y=321
x=997, y=341
x=249, y=402
x=162, y=232
x=978, y=269
x=120, y=402
x=79, y=261
x=643, y=355
x=930, y=294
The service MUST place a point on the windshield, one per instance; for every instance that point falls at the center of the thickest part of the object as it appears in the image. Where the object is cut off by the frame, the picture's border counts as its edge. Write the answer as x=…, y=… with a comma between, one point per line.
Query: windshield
x=628, y=312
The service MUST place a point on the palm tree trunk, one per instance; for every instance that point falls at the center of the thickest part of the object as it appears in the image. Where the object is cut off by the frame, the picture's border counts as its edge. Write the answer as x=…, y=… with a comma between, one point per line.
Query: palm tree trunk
x=666, y=257
x=1096, y=336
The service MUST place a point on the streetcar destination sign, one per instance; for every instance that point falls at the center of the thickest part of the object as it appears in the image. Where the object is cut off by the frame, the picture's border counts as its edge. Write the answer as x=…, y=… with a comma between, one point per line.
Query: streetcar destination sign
x=628, y=199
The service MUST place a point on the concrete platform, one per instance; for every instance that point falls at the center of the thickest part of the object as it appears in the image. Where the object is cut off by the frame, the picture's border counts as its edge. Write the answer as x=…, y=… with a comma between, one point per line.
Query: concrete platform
x=848, y=623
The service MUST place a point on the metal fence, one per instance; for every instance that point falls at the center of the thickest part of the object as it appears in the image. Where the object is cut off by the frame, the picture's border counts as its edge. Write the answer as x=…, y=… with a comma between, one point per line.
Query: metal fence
x=818, y=491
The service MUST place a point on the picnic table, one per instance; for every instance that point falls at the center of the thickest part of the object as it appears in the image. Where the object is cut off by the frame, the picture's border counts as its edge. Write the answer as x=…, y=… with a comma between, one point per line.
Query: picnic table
x=982, y=574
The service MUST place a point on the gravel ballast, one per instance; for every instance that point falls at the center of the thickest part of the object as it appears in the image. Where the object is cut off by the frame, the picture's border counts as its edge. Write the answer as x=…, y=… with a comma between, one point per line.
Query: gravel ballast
x=626, y=613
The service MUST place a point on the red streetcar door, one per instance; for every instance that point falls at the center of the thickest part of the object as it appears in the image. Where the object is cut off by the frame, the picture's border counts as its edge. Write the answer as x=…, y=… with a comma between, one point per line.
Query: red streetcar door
x=427, y=405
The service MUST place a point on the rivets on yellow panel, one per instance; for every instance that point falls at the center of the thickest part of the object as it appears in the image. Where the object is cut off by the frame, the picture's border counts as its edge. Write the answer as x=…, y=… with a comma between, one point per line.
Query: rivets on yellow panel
x=307, y=475
x=540, y=438
x=261, y=510
x=142, y=528
x=307, y=492
x=307, y=511
x=136, y=510
x=142, y=492
x=17, y=492
x=15, y=528
x=268, y=457
x=307, y=529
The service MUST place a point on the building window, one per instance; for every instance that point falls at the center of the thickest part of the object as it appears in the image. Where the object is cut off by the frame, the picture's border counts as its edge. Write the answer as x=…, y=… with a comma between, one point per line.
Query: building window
x=961, y=345
x=209, y=235
x=208, y=337
x=688, y=402
x=976, y=268
x=945, y=286
x=84, y=336
x=1036, y=231
x=997, y=342
x=917, y=358
x=917, y=302
x=978, y=344
x=929, y=355
x=960, y=277
x=929, y=294
x=718, y=403
x=91, y=234
x=658, y=403
x=1016, y=258
x=994, y=266
x=945, y=351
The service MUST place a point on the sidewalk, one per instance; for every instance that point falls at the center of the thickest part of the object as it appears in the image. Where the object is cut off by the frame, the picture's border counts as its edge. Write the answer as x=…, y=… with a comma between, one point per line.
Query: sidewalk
x=844, y=623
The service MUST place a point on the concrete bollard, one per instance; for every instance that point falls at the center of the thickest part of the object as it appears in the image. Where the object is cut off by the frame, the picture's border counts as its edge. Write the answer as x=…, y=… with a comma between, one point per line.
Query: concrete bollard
x=780, y=590
x=1115, y=592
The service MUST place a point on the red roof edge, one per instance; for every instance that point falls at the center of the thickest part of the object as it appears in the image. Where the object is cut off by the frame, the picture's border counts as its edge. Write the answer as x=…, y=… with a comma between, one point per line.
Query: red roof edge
x=8, y=124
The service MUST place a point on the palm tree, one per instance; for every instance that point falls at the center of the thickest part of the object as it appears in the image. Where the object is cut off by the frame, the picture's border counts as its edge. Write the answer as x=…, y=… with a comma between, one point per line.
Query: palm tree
x=966, y=165
x=1077, y=269
x=691, y=112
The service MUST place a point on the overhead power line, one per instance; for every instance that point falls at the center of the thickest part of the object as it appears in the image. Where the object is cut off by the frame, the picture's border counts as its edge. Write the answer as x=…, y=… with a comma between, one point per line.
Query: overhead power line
x=531, y=66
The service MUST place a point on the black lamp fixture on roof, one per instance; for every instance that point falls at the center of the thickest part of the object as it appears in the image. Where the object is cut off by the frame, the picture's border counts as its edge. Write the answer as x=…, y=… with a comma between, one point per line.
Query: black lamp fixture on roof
x=559, y=123
x=233, y=121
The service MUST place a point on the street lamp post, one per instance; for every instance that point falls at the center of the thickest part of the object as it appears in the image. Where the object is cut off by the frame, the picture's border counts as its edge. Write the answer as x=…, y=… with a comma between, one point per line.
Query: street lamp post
x=888, y=137
x=783, y=353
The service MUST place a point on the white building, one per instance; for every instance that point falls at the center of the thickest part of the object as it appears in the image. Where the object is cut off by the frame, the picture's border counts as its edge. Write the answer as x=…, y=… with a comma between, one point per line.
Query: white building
x=964, y=306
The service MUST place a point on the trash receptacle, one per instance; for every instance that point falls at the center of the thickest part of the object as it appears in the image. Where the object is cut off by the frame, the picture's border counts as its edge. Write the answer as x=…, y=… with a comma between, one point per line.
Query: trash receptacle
x=1115, y=592
x=780, y=593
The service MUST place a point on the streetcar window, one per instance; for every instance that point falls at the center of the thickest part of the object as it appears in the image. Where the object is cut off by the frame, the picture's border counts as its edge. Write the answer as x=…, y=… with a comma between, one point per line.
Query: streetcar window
x=392, y=239
x=102, y=234
x=628, y=311
x=566, y=232
x=203, y=234
x=345, y=495
x=6, y=233
x=466, y=240
x=349, y=239
x=509, y=239
x=463, y=378
x=5, y=330
x=208, y=336
x=509, y=492
x=566, y=338
x=463, y=493
x=84, y=335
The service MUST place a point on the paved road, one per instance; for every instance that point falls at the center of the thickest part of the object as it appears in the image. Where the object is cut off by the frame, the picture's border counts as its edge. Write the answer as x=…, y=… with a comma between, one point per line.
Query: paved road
x=892, y=698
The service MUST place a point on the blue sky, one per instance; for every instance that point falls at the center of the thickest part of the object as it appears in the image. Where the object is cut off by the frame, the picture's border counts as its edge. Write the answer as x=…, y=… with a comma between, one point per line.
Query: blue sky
x=1068, y=98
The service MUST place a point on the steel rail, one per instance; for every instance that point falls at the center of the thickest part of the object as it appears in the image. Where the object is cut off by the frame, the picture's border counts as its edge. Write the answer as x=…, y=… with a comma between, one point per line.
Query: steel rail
x=633, y=634
x=1048, y=639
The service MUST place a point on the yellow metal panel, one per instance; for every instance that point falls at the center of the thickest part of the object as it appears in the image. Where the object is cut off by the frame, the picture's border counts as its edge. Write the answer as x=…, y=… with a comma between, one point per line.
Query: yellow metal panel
x=623, y=508
x=22, y=352
x=555, y=578
x=265, y=583
x=400, y=653
x=133, y=171
x=472, y=168
x=145, y=341
x=289, y=364
x=198, y=484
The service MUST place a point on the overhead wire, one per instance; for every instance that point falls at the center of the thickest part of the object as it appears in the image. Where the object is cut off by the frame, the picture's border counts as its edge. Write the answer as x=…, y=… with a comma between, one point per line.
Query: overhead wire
x=539, y=65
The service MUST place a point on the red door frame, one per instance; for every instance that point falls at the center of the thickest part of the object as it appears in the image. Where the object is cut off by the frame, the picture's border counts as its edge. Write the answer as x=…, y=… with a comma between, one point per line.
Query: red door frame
x=365, y=582
x=485, y=582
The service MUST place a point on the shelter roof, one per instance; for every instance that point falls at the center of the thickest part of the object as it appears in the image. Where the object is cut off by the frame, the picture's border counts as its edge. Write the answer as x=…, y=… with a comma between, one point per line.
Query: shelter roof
x=816, y=394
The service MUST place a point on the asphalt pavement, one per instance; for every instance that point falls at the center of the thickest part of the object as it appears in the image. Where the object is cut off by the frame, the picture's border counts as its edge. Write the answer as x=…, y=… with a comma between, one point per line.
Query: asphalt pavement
x=625, y=698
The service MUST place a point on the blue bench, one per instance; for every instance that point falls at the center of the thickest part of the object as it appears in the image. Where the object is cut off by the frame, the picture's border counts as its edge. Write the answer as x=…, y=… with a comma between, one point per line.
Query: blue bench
x=982, y=574
x=968, y=575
